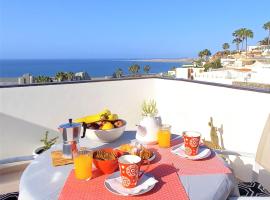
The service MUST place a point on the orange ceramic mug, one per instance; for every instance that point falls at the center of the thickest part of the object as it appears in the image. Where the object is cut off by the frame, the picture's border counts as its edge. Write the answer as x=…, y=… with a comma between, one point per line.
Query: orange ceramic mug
x=129, y=166
x=192, y=142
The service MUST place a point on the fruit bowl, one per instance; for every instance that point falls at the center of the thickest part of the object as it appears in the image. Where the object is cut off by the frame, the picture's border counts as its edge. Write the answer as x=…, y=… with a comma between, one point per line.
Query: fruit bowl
x=106, y=136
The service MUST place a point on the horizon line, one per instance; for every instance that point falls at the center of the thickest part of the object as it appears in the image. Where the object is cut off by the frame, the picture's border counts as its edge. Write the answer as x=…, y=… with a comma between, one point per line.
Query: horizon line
x=155, y=58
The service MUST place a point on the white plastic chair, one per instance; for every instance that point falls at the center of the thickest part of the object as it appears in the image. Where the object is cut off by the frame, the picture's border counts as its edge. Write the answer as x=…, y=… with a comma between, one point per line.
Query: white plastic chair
x=258, y=167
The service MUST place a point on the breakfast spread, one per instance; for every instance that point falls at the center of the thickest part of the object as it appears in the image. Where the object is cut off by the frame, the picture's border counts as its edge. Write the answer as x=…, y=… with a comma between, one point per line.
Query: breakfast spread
x=125, y=162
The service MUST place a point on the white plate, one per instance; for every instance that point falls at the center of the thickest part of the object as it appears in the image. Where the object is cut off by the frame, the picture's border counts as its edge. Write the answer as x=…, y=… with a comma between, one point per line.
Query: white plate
x=204, y=152
x=152, y=157
x=114, y=191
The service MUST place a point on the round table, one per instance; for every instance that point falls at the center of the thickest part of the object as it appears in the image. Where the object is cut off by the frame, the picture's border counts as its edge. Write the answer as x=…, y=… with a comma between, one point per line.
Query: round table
x=42, y=181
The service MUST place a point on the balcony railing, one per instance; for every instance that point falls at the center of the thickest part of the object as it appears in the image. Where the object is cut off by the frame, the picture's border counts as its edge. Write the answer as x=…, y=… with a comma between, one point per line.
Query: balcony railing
x=27, y=112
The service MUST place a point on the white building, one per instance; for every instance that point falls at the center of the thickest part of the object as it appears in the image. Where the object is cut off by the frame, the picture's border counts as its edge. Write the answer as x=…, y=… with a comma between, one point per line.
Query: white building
x=258, y=72
x=227, y=61
x=188, y=72
x=82, y=76
x=25, y=79
x=258, y=47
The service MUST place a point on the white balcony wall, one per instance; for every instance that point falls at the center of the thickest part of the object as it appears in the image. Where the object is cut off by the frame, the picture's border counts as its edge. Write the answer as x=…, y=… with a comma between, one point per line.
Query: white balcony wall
x=27, y=112
x=189, y=106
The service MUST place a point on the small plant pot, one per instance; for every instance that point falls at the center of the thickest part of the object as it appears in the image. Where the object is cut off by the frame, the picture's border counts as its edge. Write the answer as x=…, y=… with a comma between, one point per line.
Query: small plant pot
x=38, y=151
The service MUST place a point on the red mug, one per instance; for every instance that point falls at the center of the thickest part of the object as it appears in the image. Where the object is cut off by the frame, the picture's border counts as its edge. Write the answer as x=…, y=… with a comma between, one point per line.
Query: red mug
x=191, y=142
x=129, y=166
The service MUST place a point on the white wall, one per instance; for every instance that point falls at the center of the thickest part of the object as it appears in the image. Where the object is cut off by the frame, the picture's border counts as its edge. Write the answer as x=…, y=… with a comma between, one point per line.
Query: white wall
x=26, y=112
x=214, y=80
x=181, y=72
x=189, y=106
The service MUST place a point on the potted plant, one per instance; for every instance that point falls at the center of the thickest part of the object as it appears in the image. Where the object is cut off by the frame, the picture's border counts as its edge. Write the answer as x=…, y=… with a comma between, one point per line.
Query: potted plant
x=47, y=143
x=149, y=125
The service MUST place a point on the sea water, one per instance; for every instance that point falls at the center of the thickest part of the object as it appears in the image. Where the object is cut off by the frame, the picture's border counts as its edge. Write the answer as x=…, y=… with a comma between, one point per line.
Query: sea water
x=94, y=67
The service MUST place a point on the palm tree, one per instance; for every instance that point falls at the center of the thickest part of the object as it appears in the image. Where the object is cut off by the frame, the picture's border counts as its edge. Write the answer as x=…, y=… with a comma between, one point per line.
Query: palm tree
x=173, y=68
x=206, y=53
x=247, y=34
x=237, y=38
x=264, y=41
x=137, y=68
x=60, y=76
x=200, y=54
x=70, y=76
x=134, y=69
x=43, y=79
x=239, y=33
x=38, y=79
x=118, y=73
x=237, y=41
x=266, y=26
x=146, y=69
x=46, y=79
x=225, y=46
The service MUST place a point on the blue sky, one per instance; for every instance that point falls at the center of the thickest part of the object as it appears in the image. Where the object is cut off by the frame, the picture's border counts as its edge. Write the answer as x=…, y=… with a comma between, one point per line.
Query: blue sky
x=124, y=28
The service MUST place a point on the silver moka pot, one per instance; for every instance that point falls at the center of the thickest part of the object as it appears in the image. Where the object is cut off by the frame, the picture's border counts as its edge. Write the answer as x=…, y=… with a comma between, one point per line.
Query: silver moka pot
x=71, y=134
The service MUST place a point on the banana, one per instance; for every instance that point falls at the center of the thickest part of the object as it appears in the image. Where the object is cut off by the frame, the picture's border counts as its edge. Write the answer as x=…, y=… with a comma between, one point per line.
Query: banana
x=105, y=112
x=88, y=119
x=94, y=118
x=112, y=117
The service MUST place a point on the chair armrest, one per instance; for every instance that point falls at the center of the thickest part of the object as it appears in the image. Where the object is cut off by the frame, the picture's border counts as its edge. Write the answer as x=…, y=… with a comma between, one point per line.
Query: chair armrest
x=16, y=159
x=235, y=153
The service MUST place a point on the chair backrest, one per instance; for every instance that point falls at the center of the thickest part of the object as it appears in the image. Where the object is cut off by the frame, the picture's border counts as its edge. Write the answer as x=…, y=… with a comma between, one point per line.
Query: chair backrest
x=263, y=150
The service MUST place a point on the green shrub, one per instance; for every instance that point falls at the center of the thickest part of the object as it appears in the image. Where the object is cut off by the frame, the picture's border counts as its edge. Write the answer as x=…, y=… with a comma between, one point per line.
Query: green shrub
x=212, y=65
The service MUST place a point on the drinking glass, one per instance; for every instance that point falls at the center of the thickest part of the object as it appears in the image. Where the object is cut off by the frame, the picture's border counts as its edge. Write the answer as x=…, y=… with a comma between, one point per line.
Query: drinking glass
x=164, y=136
x=83, y=164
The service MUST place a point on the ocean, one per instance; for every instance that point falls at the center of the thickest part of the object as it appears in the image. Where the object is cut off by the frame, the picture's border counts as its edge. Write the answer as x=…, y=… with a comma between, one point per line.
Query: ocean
x=94, y=67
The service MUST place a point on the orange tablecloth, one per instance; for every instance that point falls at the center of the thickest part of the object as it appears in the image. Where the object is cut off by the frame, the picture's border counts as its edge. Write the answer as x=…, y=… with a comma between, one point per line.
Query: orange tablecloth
x=166, y=168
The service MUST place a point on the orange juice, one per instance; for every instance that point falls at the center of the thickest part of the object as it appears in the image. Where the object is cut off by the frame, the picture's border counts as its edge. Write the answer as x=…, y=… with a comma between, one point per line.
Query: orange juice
x=164, y=136
x=83, y=166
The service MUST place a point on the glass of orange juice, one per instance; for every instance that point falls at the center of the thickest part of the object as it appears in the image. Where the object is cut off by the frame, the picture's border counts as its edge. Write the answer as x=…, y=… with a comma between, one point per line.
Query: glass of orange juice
x=83, y=164
x=164, y=136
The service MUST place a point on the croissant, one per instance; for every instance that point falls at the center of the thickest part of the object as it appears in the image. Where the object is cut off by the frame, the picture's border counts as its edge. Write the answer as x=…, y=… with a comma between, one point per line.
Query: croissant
x=138, y=150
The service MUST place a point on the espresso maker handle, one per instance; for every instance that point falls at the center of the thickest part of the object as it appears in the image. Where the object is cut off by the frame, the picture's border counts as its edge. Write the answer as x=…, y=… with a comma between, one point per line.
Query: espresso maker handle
x=84, y=129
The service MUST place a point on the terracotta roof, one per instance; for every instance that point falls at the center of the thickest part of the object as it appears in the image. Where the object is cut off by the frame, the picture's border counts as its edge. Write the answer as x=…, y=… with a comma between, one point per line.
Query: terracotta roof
x=241, y=69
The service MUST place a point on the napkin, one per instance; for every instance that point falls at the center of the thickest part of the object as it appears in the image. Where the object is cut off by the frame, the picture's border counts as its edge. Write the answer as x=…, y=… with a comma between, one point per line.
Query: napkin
x=180, y=150
x=143, y=184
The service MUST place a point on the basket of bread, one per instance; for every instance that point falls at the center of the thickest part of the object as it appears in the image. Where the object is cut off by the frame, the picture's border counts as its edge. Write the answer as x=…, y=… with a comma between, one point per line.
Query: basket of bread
x=139, y=150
